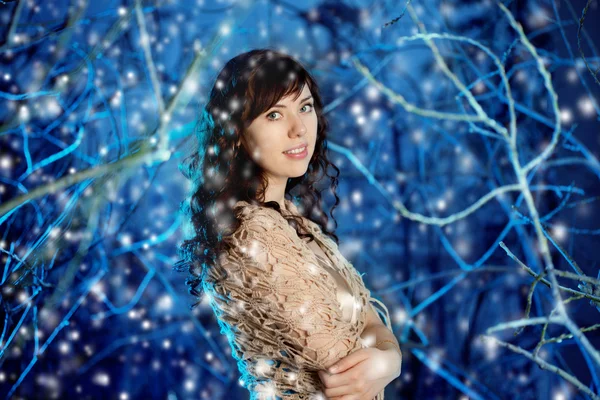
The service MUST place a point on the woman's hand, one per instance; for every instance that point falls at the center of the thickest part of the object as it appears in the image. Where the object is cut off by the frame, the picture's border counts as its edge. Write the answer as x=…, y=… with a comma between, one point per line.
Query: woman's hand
x=362, y=374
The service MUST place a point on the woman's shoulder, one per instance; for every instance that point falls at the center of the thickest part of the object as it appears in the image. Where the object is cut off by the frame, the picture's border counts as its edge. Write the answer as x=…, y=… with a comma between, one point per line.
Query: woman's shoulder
x=258, y=222
x=245, y=210
x=256, y=217
x=265, y=223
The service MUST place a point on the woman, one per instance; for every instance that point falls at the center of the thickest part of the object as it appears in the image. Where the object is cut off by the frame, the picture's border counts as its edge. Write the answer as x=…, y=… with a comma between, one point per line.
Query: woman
x=289, y=303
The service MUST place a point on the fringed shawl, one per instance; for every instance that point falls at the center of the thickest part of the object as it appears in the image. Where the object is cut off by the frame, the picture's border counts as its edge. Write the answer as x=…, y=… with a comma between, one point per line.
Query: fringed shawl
x=278, y=306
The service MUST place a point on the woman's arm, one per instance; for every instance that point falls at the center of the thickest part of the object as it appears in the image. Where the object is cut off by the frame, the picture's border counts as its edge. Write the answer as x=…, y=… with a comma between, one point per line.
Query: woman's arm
x=376, y=334
x=366, y=372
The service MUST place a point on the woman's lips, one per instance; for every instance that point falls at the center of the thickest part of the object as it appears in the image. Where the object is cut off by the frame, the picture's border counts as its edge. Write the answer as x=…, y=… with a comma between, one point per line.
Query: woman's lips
x=300, y=155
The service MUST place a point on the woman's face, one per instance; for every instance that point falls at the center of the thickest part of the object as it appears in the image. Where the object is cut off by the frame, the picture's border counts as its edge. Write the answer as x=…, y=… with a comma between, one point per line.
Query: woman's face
x=284, y=126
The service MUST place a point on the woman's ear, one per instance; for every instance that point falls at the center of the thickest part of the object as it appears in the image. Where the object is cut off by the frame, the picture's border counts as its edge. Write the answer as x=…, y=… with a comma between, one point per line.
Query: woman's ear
x=241, y=141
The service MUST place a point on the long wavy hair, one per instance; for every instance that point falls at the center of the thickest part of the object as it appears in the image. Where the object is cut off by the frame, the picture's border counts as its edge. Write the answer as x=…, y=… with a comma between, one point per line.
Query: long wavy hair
x=222, y=172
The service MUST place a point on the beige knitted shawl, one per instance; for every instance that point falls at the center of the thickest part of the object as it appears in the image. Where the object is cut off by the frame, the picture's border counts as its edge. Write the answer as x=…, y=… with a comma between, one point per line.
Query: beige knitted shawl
x=278, y=306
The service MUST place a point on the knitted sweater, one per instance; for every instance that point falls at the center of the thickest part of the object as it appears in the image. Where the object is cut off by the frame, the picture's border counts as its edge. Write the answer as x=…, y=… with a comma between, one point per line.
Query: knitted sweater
x=282, y=307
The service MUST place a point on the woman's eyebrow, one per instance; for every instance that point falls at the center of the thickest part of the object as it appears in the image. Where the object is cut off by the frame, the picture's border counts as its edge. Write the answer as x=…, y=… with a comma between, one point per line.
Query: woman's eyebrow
x=301, y=101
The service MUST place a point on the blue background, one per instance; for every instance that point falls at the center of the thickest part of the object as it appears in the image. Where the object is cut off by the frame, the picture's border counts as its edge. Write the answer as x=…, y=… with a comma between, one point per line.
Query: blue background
x=90, y=189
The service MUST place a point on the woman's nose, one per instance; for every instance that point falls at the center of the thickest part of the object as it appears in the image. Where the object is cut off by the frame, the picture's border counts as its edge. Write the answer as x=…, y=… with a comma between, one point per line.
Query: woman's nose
x=298, y=126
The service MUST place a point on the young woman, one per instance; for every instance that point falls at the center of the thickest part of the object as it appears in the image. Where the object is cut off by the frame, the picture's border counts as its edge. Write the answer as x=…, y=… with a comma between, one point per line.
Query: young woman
x=289, y=303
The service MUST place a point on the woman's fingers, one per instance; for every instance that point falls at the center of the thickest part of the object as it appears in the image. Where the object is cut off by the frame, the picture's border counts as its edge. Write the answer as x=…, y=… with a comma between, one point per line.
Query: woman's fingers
x=336, y=380
x=355, y=389
x=351, y=392
x=339, y=391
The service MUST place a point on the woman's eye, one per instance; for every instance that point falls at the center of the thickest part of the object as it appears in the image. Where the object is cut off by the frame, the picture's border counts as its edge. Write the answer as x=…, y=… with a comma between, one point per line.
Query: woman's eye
x=272, y=114
x=275, y=112
x=308, y=104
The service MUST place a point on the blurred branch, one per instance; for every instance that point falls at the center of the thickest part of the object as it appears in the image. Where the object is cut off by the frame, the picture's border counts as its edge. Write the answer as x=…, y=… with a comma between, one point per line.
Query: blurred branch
x=579, y=28
x=547, y=366
x=539, y=277
x=14, y=21
x=145, y=43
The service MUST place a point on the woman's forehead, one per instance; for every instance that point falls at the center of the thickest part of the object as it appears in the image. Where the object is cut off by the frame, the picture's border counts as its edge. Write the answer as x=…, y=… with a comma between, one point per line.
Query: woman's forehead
x=294, y=96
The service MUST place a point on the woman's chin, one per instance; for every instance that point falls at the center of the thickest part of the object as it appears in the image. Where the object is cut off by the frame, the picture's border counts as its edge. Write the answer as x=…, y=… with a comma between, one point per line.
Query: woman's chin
x=299, y=174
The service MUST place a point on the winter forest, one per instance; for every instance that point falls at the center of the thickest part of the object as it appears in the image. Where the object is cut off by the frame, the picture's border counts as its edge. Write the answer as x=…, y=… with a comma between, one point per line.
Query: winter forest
x=467, y=134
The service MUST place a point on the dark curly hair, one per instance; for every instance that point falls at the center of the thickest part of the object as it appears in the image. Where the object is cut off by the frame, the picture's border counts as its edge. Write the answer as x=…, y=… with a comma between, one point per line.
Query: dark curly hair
x=222, y=172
